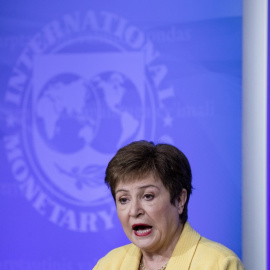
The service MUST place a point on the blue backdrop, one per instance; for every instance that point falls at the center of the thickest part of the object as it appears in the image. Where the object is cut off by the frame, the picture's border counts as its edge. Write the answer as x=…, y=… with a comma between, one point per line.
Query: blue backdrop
x=79, y=79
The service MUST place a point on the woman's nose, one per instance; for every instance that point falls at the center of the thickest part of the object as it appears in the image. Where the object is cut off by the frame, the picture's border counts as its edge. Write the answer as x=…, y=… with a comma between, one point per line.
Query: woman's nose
x=136, y=209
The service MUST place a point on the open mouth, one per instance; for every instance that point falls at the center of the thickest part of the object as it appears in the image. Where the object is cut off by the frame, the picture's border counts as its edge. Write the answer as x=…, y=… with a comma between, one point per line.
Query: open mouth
x=142, y=229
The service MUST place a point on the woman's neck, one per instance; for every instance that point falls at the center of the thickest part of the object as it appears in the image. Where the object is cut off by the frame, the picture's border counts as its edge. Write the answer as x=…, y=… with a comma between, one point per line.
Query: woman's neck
x=156, y=259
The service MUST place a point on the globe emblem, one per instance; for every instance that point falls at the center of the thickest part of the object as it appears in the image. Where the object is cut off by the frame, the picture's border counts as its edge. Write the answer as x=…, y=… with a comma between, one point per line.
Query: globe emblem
x=79, y=124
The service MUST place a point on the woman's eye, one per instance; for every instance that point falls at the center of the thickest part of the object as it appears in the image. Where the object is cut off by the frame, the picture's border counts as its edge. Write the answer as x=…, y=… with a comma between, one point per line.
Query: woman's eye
x=149, y=197
x=123, y=200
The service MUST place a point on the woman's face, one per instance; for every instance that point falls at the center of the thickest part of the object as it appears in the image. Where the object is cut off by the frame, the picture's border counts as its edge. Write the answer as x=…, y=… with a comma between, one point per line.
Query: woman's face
x=148, y=218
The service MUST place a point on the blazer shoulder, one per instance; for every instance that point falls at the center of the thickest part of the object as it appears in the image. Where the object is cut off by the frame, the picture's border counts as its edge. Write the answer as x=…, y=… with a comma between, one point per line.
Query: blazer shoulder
x=117, y=253
x=123, y=250
x=114, y=258
x=216, y=256
x=214, y=247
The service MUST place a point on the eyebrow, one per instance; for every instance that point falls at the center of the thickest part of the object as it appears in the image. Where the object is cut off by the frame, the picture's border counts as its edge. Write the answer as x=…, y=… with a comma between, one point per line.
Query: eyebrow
x=142, y=187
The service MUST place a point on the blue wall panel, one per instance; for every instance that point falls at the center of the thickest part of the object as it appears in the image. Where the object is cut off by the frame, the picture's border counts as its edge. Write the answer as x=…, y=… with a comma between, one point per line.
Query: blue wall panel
x=79, y=79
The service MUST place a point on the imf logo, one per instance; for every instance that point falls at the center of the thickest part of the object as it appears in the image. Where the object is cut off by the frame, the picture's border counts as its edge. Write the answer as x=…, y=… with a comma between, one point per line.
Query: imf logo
x=82, y=88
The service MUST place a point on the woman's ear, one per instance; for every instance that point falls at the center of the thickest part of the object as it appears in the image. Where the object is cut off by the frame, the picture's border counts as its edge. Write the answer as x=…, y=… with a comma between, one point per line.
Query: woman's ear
x=182, y=200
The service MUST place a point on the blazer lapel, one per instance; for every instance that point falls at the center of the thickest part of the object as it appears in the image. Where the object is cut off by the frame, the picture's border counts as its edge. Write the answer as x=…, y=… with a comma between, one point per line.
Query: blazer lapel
x=184, y=249
x=132, y=259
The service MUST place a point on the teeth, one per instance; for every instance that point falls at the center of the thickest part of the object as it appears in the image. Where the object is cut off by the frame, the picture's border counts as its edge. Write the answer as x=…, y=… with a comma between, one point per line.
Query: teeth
x=144, y=231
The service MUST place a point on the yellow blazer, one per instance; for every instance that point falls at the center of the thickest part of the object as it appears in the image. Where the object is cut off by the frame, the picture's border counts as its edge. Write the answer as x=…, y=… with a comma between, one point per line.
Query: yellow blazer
x=192, y=252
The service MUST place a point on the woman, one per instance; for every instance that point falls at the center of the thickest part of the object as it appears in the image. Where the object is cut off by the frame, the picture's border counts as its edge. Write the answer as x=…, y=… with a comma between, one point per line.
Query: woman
x=151, y=186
